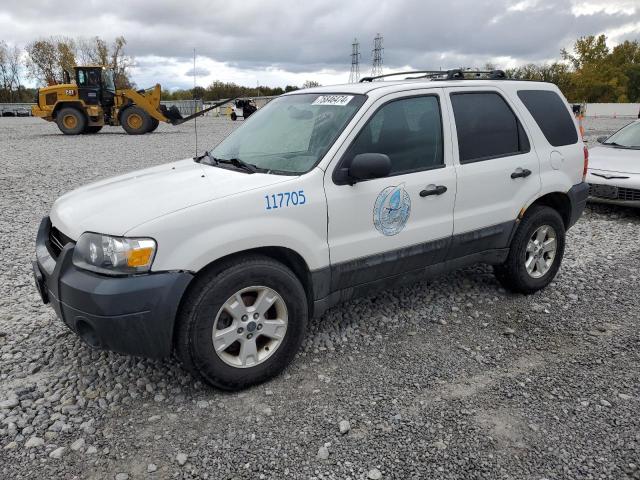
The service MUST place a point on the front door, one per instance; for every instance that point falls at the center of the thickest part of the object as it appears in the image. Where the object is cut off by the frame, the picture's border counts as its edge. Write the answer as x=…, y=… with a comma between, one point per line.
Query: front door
x=89, y=81
x=386, y=227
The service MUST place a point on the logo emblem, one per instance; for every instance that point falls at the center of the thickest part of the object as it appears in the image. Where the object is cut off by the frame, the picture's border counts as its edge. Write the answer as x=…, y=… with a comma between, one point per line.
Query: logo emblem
x=608, y=177
x=391, y=210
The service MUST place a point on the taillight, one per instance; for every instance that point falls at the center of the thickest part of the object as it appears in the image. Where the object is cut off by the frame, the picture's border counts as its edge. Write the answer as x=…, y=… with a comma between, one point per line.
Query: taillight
x=586, y=163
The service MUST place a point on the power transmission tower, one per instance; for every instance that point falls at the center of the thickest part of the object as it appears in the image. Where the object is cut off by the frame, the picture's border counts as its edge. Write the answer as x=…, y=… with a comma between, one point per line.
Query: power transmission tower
x=354, y=77
x=376, y=68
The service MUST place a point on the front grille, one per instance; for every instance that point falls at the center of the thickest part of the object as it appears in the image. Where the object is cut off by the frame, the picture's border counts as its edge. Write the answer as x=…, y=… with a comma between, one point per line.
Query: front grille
x=611, y=192
x=57, y=241
x=630, y=194
x=51, y=98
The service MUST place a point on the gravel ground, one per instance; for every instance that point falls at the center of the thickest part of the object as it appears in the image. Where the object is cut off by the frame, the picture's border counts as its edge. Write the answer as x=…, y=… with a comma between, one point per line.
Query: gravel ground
x=448, y=379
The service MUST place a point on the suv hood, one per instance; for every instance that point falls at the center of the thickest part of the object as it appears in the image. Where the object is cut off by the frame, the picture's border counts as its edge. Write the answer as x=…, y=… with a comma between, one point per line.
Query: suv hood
x=611, y=159
x=116, y=205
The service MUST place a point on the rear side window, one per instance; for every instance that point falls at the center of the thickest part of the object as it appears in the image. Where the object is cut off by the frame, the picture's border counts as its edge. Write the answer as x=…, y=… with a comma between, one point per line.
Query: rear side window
x=487, y=127
x=551, y=115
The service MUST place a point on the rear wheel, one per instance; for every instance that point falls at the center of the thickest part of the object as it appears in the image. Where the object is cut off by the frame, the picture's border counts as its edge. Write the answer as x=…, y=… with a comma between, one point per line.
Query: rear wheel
x=242, y=323
x=135, y=121
x=71, y=121
x=92, y=129
x=536, y=252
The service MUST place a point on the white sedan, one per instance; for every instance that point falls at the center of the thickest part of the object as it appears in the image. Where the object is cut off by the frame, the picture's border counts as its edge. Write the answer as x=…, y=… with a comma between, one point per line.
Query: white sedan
x=614, y=168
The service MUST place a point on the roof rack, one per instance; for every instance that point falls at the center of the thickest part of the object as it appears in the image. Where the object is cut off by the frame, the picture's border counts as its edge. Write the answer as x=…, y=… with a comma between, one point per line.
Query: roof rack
x=456, y=74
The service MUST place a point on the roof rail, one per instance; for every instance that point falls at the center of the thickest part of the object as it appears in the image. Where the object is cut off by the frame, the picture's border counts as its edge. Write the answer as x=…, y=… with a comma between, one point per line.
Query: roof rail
x=425, y=73
x=456, y=74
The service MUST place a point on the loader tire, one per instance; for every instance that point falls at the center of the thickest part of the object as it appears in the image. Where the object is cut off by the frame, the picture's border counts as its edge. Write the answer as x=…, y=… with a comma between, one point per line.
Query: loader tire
x=92, y=129
x=135, y=121
x=154, y=125
x=71, y=121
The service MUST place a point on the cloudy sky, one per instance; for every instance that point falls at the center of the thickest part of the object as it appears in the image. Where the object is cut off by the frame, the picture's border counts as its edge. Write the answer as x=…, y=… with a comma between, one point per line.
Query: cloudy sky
x=279, y=42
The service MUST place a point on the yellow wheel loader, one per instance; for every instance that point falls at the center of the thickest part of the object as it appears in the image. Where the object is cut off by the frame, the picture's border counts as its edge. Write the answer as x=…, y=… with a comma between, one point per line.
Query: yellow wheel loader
x=93, y=101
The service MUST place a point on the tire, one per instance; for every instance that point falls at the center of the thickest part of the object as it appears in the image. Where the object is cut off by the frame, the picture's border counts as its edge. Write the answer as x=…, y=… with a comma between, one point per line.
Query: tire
x=92, y=129
x=154, y=124
x=513, y=274
x=71, y=121
x=135, y=121
x=234, y=117
x=202, y=314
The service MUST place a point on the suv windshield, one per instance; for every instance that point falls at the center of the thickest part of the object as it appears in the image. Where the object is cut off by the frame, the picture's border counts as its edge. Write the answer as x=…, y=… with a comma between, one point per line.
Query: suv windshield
x=292, y=133
x=627, y=137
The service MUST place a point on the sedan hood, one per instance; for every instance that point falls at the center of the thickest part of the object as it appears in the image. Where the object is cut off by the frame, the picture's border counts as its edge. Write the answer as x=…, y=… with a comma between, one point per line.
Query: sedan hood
x=116, y=205
x=611, y=159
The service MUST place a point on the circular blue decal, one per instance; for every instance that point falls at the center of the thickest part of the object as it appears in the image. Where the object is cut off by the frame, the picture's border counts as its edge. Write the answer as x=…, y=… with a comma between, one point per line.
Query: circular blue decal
x=391, y=210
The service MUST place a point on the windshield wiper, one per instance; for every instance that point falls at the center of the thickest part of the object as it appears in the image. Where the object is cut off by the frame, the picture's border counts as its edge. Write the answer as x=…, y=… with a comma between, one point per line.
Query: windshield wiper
x=617, y=145
x=236, y=162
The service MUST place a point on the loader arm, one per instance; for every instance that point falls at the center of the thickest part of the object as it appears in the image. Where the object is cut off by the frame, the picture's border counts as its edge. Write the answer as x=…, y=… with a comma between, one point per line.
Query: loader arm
x=201, y=112
x=149, y=101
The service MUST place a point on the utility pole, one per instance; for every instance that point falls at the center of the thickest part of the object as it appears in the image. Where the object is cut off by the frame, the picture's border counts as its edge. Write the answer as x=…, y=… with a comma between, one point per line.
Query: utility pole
x=376, y=68
x=354, y=77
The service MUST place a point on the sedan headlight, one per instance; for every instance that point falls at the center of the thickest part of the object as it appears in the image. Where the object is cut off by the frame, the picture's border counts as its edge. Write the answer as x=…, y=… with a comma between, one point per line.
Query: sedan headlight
x=114, y=255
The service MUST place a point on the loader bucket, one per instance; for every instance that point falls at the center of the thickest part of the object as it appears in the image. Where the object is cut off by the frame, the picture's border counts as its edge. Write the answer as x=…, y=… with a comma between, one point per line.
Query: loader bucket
x=173, y=114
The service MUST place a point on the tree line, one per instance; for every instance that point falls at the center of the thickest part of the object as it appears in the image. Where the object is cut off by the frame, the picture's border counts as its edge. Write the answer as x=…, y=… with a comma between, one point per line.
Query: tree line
x=46, y=59
x=589, y=72
x=221, y=90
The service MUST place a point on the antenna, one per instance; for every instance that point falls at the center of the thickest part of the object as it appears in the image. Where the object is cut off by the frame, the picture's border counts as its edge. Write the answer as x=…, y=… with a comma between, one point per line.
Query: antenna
x=376, y=68
x=195, y=120
x=354, y=77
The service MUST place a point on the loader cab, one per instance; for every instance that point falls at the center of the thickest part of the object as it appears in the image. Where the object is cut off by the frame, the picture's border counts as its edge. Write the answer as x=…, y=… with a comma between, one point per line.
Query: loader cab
x=96, y=85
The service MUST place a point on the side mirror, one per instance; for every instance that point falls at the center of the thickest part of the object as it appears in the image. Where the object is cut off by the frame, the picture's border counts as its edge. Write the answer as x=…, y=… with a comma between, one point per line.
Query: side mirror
x=601, y=139
x=365, y=166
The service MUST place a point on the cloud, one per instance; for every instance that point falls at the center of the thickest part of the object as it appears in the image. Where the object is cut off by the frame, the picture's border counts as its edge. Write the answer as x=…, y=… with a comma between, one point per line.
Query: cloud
x=198, y=72
x=286, y=40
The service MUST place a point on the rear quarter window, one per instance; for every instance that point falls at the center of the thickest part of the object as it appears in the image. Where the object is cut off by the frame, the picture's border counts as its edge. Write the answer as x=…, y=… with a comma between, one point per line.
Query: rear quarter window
x=551, y=114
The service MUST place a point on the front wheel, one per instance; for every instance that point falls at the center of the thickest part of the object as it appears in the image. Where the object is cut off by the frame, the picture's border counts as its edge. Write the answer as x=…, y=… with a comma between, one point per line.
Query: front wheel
x=536, y=252
x=242, y=323
x=135, y=121
x=154, y=124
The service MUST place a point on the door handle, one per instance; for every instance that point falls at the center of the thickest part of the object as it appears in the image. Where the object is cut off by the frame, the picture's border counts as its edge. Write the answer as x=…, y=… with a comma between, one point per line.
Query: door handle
x=433, y=190
x=521, y=173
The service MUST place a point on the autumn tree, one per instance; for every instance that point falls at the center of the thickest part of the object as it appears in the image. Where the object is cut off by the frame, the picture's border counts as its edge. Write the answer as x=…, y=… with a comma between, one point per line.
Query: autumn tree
x=49, y=57
x=9, y=72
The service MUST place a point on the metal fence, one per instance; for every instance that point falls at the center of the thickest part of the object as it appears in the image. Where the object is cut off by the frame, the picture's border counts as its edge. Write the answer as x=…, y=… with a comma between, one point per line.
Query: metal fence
x=15, y=109
x=186, y=107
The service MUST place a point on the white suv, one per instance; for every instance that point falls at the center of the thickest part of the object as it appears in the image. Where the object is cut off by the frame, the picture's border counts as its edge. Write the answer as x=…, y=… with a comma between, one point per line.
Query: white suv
x=323, y=195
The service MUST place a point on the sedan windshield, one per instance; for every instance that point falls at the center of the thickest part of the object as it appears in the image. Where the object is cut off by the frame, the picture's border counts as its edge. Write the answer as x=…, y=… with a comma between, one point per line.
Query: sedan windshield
x=291, y=134
x=627, y=137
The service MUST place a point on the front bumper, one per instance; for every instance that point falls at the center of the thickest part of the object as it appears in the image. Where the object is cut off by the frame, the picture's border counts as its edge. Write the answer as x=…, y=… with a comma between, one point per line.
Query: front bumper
x=614, y=188
x=133, y=314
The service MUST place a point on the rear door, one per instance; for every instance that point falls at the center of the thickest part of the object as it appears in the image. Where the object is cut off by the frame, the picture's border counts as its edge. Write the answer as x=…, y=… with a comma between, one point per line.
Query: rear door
x=498, y=171
x=386, y=227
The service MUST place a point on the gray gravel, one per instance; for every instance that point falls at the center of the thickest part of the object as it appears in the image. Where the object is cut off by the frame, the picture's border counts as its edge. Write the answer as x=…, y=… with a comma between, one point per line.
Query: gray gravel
x=448, y=379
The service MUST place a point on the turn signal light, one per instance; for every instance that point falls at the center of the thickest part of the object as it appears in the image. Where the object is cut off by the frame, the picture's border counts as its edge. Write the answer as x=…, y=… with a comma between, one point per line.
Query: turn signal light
x=140, y=257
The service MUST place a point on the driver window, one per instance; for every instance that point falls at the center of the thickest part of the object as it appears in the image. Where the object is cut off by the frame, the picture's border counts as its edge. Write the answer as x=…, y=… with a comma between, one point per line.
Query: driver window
x=82, y=78
x=409, y=131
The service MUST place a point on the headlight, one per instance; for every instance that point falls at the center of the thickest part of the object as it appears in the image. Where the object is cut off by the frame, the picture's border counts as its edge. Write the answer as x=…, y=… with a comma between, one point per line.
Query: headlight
x=114, y=255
